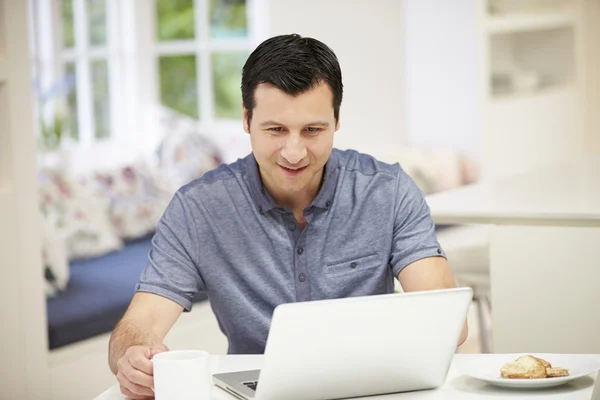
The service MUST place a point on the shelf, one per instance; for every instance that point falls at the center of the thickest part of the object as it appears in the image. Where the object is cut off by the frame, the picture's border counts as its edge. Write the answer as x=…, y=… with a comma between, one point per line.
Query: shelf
x=530, y=22
x=546, y=92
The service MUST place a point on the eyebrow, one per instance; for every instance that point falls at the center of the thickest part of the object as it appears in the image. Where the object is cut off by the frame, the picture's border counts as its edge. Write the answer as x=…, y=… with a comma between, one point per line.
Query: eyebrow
x=315, y=123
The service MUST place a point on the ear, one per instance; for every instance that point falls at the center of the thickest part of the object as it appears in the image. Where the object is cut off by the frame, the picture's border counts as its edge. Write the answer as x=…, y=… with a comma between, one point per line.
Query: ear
x=337, y=123
x=245, y=121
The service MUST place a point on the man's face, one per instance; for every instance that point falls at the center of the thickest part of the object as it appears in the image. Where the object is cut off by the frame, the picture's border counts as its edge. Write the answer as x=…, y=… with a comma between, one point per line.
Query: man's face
x=291, y=137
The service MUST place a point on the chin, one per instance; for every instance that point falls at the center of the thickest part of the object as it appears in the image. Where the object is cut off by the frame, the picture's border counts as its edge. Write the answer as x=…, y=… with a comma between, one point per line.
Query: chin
x=290, y=187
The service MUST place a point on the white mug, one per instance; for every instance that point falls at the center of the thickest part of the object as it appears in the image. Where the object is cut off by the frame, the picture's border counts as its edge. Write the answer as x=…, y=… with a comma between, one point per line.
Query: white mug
x=181, y=375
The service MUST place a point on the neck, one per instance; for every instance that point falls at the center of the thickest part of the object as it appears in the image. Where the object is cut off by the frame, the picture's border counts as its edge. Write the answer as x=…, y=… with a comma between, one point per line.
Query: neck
x=297, y=202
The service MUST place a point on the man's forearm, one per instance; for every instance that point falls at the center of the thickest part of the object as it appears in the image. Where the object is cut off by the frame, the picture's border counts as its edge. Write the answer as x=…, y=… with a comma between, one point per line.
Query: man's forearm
x=126, y=334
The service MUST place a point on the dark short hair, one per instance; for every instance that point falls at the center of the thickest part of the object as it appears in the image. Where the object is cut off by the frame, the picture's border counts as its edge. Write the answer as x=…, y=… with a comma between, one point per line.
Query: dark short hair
x=294, y=64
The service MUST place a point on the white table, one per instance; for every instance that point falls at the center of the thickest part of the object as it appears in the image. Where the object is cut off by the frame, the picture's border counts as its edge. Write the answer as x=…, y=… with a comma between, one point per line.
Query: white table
x=544, y=254
x=457, y=386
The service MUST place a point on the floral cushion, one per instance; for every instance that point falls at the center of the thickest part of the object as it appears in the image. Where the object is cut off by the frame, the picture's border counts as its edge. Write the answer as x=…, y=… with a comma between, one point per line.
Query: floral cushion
x=136, y=197
x=77, y=215
x=184, y=153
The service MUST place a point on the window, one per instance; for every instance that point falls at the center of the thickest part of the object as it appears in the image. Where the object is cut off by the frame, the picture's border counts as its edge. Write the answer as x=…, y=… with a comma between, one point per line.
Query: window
x=201, y=47
x=78, y=60
x=105, y=64
x=87, y=60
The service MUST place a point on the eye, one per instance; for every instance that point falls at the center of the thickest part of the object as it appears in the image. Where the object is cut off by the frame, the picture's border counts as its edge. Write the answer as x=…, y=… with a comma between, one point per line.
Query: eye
x=275, y=129
x=312, y=129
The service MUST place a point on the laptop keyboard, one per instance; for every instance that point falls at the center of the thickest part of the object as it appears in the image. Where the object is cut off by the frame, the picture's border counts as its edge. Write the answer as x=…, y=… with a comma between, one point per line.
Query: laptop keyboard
x=252, y=385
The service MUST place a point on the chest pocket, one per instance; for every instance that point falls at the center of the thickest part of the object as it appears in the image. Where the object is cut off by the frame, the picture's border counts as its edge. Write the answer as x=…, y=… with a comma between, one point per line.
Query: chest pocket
x=361, y=275
x=354, y=265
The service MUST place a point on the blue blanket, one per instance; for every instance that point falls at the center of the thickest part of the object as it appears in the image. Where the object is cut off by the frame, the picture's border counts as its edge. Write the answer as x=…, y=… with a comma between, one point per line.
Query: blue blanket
x=98, y=294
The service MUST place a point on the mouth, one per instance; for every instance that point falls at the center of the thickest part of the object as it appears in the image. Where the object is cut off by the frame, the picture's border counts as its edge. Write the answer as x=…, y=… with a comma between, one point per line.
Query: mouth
x=292, y=171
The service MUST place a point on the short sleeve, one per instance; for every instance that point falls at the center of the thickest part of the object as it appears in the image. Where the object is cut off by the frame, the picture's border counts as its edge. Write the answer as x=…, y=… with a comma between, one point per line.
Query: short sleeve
x=172, y=271
x=414, y=230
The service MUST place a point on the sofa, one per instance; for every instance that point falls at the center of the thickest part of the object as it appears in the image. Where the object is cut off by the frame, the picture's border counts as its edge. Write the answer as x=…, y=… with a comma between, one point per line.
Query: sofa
x=97, y=295
x=98, y=228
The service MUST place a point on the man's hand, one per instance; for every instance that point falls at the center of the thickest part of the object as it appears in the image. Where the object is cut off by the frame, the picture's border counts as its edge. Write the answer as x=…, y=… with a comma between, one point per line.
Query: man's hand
x=135, y=371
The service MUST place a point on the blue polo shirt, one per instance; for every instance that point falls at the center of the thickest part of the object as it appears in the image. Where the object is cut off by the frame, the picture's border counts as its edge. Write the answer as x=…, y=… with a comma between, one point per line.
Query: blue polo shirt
x=223, y=234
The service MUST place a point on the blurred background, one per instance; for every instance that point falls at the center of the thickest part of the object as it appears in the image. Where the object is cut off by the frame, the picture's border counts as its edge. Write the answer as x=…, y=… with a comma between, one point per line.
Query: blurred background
x=131, y=99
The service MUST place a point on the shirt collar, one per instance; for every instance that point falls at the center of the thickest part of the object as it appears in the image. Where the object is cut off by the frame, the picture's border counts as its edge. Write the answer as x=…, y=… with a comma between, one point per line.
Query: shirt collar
x=325, y=196
x=263, y=200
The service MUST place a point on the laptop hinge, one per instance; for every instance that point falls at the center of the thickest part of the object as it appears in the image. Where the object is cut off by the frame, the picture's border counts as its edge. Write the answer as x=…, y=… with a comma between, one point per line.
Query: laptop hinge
x=236, y=394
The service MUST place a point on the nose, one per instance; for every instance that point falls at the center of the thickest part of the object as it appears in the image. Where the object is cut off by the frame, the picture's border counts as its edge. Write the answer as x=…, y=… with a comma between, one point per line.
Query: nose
x=294, y=149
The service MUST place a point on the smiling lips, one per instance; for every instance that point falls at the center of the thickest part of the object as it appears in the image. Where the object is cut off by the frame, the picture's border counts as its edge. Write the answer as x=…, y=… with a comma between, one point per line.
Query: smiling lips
x=292, y=171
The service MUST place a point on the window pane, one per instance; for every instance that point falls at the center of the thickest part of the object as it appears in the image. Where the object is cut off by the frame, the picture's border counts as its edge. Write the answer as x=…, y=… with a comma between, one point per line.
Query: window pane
x=71, y=117
x=228, y=18
x=178, y=84
x=97, y=21
x=174, y=19
x=68, y=27
x=227, y=76
x=100, y=99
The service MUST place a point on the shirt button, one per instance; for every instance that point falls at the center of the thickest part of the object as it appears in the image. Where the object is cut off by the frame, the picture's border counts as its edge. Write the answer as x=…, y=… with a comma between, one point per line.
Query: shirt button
x=328, y=203
x=300, y=250
x=260, y=209
x=302, y=277
x=292, y=226
x=439, y=251
x=353, y=265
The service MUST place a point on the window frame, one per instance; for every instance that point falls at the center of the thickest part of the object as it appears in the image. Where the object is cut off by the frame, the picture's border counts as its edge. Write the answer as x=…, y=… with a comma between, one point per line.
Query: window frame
x=226, y=133
x=132, y=52
x=83, y=55
x=202, y=46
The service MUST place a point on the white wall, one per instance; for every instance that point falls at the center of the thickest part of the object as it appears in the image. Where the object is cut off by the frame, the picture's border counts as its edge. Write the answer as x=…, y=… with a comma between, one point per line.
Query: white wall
x=23, y=340
x=443, y=75
x=366, y=35
x=592, y=84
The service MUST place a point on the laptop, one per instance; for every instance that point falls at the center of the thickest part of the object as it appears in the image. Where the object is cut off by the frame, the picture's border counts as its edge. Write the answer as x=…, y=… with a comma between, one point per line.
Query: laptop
x=358, y=346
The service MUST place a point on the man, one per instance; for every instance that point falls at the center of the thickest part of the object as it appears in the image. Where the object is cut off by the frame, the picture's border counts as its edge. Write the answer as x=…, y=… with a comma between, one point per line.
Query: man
x=296, y=220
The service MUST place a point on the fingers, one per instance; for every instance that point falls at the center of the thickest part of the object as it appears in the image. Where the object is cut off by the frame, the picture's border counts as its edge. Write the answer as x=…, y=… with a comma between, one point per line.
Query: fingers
x=135, y=371
x=137, y=390
x=149, y=369
x=162, y=347
x=139, y=378
x=158, y=349
x=141, y=362
x=130, y=395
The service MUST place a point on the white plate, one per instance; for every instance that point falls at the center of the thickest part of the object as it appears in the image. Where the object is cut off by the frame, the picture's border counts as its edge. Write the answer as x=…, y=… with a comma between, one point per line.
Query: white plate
x=487, y=368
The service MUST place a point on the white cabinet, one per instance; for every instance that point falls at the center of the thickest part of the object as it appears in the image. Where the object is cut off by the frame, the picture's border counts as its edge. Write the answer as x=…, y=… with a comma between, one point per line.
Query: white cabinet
x=534, y=93
x=510, y=82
